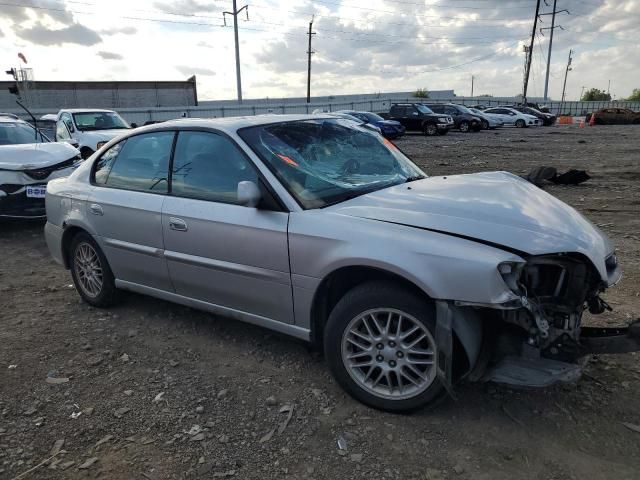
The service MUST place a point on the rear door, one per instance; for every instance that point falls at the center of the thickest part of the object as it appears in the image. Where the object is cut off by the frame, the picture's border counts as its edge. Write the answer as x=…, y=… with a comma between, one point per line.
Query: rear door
x=219, y=251
x=125, y=206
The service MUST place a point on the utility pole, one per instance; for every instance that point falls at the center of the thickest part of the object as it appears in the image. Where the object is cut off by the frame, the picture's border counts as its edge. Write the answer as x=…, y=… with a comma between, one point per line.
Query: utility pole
x=309, y=53
x=609, y=88
x=582, y=92
x=552, y=28
x=530, y=53
x=471, y=86
x=564, y=87
x=235, y=31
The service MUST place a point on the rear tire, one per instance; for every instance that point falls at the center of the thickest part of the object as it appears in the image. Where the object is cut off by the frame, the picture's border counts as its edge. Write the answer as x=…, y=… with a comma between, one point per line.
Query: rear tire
x=91, y=273
x=520, y=123
x=485, y=125
x=389, y=373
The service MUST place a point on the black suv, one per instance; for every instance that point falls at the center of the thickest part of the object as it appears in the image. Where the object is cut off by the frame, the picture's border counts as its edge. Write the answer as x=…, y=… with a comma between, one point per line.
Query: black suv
x=415, y=116
x=463, y=118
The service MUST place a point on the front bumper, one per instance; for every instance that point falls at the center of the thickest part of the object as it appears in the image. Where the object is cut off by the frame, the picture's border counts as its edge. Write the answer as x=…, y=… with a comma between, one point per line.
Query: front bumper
x=14, y=202
x=444, y=126
x=18, y=205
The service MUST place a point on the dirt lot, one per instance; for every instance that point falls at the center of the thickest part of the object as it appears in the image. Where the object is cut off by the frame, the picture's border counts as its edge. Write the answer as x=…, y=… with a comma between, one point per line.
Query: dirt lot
x=160, y=391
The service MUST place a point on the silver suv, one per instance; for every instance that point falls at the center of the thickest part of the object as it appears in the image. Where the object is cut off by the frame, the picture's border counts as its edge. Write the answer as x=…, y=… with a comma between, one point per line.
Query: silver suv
x=323, y=230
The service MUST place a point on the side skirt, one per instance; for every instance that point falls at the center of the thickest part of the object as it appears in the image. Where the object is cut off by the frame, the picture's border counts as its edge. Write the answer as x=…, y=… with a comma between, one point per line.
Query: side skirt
x=285, y=328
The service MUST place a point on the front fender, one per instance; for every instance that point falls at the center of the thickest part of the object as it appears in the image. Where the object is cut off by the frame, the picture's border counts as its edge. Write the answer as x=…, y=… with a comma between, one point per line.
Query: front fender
x=443, y=266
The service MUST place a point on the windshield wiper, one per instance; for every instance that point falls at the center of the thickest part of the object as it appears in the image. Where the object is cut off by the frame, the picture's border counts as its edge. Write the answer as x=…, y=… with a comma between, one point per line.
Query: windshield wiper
x=414, y=178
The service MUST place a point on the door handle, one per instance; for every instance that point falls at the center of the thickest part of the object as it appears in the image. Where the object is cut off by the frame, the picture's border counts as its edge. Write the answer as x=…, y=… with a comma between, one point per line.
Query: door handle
x=96, y=209
x=177, y=224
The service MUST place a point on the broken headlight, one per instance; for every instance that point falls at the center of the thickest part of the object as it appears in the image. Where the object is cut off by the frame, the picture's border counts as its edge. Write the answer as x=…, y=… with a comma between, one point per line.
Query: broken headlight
x=510, y=273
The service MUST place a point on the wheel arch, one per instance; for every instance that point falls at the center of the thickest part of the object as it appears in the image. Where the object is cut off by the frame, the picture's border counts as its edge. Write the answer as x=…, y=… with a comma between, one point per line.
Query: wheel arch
x=67, y=238
x=467, y=329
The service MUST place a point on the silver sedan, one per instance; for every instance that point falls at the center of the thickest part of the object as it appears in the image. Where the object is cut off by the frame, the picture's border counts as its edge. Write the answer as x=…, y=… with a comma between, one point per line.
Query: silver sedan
x=323, y=230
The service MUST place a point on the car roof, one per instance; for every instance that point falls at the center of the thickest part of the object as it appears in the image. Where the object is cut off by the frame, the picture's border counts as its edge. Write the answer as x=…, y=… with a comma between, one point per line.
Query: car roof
x=7, y=119
x=232, y=124
x=83, y=110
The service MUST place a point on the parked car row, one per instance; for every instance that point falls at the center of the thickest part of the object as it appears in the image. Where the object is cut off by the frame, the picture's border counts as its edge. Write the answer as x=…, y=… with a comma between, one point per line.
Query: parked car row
x=440, y=118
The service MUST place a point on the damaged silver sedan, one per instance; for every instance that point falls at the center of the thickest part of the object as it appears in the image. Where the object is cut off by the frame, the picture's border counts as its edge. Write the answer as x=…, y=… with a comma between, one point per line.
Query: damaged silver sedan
x=320, y=229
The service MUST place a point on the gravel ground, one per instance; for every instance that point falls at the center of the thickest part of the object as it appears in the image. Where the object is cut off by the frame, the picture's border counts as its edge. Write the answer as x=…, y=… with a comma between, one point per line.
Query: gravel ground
x=151, y=390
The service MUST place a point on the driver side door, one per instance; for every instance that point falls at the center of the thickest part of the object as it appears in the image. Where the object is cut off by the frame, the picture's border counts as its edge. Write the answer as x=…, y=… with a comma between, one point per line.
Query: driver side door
x=219, y=251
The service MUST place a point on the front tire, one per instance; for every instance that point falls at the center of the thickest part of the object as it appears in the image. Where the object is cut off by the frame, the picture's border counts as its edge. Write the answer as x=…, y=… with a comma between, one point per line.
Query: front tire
x=464, y=126
x=520, y=123
x=430, y=129
x=485, y=125
x=91, y=273
x=379, y=344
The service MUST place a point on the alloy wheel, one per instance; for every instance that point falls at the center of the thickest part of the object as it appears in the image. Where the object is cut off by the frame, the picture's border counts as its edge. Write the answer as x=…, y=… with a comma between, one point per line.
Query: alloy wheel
x=389, y=353
x=88, y=269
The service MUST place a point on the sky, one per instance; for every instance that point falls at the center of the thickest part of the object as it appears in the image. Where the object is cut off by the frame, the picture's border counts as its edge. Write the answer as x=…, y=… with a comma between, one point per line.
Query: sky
x=360, y=47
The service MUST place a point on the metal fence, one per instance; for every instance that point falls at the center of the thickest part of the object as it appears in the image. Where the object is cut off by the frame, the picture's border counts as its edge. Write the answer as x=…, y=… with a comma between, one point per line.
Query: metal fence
x=141, y=115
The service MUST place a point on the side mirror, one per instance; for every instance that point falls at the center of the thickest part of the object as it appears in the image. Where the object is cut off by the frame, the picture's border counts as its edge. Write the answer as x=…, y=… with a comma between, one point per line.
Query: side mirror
x=248, y=194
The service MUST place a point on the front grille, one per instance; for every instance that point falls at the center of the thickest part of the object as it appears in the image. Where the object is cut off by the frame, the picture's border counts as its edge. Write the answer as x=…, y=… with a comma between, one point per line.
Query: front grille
x=42, y=173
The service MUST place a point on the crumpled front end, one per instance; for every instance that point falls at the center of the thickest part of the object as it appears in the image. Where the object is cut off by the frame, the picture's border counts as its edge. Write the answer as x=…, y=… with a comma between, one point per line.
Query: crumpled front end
x=539, y=339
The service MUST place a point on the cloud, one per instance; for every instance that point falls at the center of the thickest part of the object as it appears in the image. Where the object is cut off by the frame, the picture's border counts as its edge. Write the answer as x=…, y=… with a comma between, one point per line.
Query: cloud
x=188, y=71
x=110, y=55
x=121, y=30
x=77, y=34
x=183, y=6
x=41, y=9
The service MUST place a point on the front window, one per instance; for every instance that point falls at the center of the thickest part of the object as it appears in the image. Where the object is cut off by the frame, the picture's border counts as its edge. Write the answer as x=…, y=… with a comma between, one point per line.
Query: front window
x=15, y=133
x=322, y=162
x=86, y=121
x=372, y=117
x=424, y=109
x=462, y=108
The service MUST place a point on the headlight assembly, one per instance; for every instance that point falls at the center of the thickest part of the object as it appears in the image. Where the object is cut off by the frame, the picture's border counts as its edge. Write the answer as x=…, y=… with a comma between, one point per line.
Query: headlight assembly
x=510, y=272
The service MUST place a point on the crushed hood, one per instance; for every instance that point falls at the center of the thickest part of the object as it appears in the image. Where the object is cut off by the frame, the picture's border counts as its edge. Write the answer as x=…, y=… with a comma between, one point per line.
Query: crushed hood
x=35, y=155
x=496, y=207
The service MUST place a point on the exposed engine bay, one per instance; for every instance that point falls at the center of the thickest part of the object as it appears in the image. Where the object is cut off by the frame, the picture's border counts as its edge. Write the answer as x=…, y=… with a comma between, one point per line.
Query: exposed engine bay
x=539, y=339
x=554, y=291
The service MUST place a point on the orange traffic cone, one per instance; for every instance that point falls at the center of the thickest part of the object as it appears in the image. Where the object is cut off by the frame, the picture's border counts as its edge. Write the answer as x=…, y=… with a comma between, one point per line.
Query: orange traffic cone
x=592, y=120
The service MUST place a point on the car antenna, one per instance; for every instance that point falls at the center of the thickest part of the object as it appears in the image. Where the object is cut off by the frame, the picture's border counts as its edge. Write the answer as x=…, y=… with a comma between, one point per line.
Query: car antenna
x=35, y=122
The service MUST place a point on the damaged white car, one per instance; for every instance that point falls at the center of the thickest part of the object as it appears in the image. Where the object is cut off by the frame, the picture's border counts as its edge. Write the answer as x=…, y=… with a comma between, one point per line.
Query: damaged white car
x=28, y=160
x=318, y=228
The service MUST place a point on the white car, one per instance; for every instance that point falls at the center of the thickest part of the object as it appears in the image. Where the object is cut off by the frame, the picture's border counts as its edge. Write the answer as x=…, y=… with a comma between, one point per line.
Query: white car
x=28, y=160
x=90, y=128
x=513, y=117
